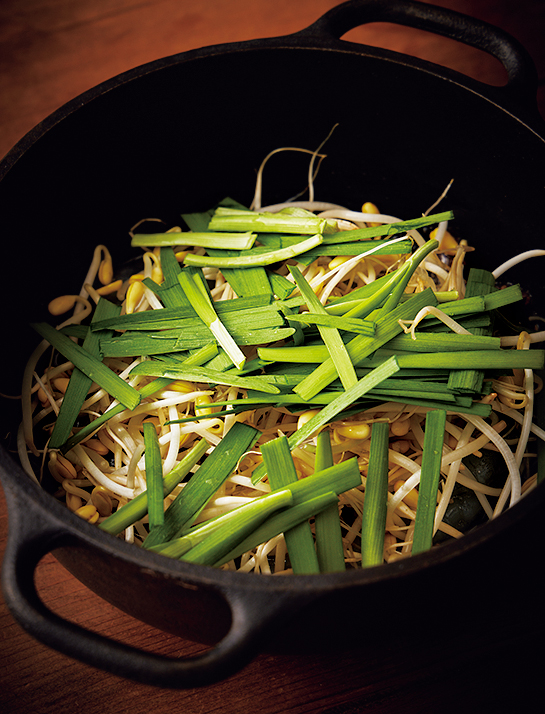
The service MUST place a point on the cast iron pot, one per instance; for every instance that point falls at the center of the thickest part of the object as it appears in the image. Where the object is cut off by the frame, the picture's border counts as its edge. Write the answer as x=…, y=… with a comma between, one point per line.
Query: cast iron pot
x=178, y=135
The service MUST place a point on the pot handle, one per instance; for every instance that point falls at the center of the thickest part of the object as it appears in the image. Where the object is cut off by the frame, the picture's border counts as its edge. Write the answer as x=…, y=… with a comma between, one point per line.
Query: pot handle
x=30, y=537
x=522, y=82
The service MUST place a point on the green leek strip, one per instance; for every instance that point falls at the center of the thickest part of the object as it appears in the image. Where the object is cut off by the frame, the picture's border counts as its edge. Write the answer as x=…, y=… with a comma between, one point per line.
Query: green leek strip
x=251, y=281
x=326, y=485
x=170, y=291
x=501, y=359
x=376, y=498
x=390, y=229
x=137, y=508
x=245, y=522
x=281, y=472
x=361, y=346
x=79, y=384
x=282, y=522
x=225, y=220
x=168, y=317
x=405, y=273
x=251, y=261
x=216, y=469
x=154, y=476
x=327, y=523
x=387, y=247
x=235, y=525
x=177, y=370
x=225, y=241
x=444, y=342
x=89, y=365
x=147, y=390
x=134, y=344
x=281, y=286
x=194, y=289
x=330, y=334
x=339, y=404
x=432, y=453
x=479, y=282
x=361, y=327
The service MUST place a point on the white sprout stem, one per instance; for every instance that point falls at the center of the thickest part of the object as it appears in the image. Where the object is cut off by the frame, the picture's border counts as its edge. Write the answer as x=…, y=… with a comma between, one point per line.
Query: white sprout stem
x=220, y=332
x=511, y=340
x=339, y=272
x=98, y=476
x=440, y=315
x=174, y=445
x=517, y=416
x=527, y=418
x=515, y=260
x=512, y=485
x=308, y=205
x=358, y=216
x=451, y=478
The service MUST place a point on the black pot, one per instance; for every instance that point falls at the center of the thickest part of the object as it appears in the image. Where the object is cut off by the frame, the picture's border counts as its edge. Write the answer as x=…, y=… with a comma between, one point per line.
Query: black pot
x=180, y=134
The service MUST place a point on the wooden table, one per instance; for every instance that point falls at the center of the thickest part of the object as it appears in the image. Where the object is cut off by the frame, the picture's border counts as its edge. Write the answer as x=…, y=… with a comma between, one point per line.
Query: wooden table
x=50, y=51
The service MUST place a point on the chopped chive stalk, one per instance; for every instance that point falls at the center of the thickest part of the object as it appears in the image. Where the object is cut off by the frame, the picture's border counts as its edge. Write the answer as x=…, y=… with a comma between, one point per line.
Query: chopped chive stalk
x=376, y=498
x=177, y=370
x=405, y=274
x=224, y=241
x=432, y=453
x=225, y=219
x=79, y=384
x=204, y=483
x=327, y=523
x=362, y=346
x=361, y=327
x=299, y=540
x=154, y=476
x=254, y=259
x=282, y=522
x=243, y=522
x=330, y=335
x=231, y=527
x=96, y=370
x=195, y=291
x=137, y=508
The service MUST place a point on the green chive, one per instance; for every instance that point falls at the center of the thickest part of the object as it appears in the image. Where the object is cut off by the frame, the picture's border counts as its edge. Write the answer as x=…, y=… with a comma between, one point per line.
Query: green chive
x=327, y=523
x=147, y=390
x=253, y=260
x=281, y=472
x=177, y=370
x=216, y=469
x=361, y=346
x=96, y=370
x=225, y=219
x=154, y=476
x=432, y=453
x=80, y=383
x=376, y=498
x=224, y=241
x=330, y=335
x=195, y=291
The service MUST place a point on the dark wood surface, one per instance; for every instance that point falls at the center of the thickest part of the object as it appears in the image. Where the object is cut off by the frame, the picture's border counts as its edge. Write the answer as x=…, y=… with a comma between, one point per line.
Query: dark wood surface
x=50, y=51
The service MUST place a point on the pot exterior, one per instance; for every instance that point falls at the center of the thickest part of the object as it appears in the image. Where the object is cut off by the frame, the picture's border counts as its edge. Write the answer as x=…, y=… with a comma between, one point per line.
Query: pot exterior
x=183, y=133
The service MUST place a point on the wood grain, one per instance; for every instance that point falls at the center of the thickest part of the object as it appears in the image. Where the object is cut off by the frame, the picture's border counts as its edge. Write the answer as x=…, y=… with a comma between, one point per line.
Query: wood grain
x=51, y=51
